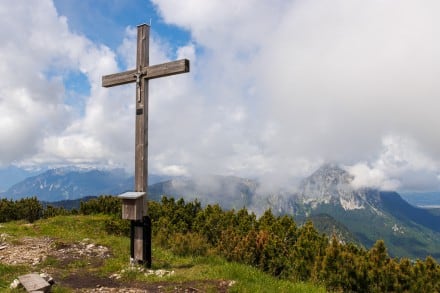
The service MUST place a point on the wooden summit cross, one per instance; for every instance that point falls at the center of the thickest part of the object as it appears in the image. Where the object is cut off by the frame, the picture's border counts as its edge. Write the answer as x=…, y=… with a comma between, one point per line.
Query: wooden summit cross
x=140, y=222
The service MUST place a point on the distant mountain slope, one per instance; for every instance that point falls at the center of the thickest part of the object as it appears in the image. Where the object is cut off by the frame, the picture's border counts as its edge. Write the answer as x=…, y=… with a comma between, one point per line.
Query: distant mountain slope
x=229, y=191
x=73, y=183
x=368, y=213
x=402, y=210
x=12, y=175
x=328, y=225
x=67, y=183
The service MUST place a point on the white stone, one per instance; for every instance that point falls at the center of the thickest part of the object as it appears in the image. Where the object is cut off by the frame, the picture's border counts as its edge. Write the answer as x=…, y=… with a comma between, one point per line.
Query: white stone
x=14, y=284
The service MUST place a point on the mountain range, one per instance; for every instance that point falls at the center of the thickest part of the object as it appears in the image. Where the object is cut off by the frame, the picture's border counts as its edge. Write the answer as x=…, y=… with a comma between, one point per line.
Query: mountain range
x=73, y=183
x=326, y=197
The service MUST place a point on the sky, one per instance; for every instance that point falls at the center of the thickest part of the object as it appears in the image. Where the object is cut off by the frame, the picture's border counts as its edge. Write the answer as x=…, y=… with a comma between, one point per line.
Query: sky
x=276, y=89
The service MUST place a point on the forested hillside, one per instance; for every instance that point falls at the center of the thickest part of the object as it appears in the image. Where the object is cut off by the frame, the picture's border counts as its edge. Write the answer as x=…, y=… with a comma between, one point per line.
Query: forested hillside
x=273, y=244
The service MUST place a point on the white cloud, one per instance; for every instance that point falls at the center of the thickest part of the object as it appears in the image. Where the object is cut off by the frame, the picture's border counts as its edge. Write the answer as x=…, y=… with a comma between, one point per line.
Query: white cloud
x=400, y=165
x=31, y=92
x=37, y=124
x=365, y=176
x=315, y=81
x=276, y=88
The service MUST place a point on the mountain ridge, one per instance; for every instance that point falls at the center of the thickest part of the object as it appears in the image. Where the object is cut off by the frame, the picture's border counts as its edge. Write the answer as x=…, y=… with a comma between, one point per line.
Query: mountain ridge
x=368, y=213
x=69, y=183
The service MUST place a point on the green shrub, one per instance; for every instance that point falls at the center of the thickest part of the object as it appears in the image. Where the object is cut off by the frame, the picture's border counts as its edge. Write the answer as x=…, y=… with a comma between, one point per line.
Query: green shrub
x=51, y=211
x=105, y=204
x=189, y=244
x=31, y=209
x=117, y=226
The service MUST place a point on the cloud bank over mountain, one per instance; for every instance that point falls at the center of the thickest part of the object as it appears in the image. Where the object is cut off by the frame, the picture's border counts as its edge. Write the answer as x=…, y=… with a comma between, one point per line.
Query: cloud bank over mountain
x=350, y=82
x=276, y=89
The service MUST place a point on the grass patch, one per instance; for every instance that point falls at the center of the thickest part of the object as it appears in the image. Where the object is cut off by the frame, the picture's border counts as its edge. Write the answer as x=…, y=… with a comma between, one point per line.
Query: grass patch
x=204, y=271
x=8, y=273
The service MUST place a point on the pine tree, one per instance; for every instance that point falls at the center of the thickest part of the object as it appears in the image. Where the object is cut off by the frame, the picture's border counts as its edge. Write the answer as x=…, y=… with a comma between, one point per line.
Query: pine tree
x=310, y=245
x=332, y=266
x=381, y=273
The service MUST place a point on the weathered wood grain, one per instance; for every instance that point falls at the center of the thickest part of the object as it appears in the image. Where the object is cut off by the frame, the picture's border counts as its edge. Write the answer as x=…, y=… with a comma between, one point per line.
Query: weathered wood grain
x=139, y=244
x=149, y=72
x=119, y=78
x=167, y=69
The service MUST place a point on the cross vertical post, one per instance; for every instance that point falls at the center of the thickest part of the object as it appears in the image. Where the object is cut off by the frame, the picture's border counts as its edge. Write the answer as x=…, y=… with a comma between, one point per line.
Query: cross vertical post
x=141, y=135
x=142, y=239
x=140, y=246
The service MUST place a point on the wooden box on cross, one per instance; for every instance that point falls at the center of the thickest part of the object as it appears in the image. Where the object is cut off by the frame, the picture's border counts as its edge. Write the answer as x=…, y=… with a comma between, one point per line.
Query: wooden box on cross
x=132, y=205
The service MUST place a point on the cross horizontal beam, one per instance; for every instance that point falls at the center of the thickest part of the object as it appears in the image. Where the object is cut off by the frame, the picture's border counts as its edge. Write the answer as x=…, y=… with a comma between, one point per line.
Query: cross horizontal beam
x=149, y=72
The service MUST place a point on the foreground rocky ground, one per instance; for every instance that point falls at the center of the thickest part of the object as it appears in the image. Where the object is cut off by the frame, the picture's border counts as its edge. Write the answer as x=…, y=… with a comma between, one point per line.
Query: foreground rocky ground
x=36, y=251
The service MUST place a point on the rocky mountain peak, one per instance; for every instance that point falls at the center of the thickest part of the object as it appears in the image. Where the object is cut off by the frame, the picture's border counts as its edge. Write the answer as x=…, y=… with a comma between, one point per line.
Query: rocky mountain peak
x=330, y=184
x=328, y=175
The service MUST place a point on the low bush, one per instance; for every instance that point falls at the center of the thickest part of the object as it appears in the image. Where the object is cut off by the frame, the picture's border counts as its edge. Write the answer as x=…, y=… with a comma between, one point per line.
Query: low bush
x=188, y=244
x=117, y=226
